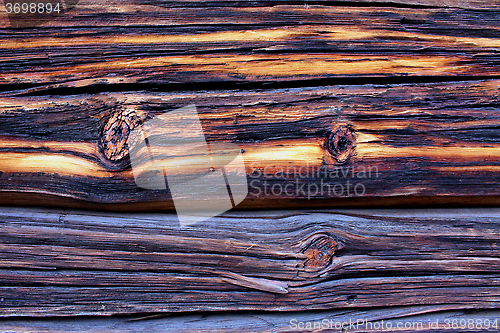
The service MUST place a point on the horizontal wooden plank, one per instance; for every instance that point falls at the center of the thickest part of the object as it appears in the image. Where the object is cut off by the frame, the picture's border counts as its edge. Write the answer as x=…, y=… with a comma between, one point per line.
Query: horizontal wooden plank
x=409, y=319
x=83, y=263
x=473, y=4
x=157, y=44
x=410, y=143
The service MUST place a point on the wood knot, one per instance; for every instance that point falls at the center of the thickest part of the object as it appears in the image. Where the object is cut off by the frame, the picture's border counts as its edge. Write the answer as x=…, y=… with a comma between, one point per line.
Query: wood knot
x=320, y=251
x=114, y=135
x=341, y=143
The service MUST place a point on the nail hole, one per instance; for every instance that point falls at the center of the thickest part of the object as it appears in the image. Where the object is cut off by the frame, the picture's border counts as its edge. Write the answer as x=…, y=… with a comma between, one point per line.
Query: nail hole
x=351, y=298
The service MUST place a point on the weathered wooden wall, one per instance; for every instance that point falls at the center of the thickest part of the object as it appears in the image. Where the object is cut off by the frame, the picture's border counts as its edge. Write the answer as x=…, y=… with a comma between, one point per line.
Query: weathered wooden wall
x=408, y=89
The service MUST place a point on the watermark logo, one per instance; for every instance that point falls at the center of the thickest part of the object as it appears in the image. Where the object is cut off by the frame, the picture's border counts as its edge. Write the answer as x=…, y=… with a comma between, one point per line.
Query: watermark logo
x=33, y=13
x=311, y=182
x=204, y=179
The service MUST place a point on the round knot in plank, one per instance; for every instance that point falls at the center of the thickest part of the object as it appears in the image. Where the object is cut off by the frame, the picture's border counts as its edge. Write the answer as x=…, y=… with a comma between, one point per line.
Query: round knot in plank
x=320, y=251
x=341, y=143
x=114, y=136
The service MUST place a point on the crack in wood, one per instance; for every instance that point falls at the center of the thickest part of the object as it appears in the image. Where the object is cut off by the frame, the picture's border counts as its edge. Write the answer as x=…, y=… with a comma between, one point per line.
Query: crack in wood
x=272, y=286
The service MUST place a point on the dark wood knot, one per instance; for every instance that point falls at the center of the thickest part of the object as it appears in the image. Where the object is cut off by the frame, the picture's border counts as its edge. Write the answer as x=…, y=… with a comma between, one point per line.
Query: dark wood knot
x=341, y=143
x=320, y=251
x=114, y=135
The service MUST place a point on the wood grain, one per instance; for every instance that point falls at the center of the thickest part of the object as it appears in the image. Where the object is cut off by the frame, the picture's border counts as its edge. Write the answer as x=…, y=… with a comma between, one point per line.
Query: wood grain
x=81, y=263
x=405, y=91
x=423, y=318
x=158, y=43
x=398, y=98
x=411, y=143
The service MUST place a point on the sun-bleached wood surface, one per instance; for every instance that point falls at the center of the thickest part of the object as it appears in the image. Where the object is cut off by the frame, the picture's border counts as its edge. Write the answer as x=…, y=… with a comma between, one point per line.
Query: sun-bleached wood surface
x=80, y=263
x=423, y=318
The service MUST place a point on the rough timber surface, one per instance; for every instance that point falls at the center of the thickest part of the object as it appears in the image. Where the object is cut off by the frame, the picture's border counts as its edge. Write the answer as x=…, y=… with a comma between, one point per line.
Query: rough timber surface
x=406, y=89
x=57, y=263
x=431, y=143
x=425, y=319
x=400, y=98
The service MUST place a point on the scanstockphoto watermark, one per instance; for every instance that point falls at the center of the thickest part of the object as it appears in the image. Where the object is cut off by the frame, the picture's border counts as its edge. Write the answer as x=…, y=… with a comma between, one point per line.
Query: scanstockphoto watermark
x=311, y=181
x=392, y=326
x=204, y=179
x=359, y=324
